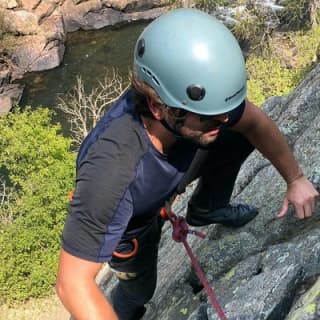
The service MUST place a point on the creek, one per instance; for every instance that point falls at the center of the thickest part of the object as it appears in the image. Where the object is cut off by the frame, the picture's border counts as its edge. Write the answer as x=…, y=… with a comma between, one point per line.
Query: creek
x=89, y=54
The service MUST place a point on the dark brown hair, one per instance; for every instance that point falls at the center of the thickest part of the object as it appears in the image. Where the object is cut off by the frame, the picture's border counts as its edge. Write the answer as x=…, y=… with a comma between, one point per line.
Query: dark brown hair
x=142, y=91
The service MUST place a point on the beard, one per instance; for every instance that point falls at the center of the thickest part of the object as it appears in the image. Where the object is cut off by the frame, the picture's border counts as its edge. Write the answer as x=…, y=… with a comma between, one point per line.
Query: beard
x=198, y=137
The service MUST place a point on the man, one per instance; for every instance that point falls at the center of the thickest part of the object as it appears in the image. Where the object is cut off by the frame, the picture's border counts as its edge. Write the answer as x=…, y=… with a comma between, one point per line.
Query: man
x=189, y=92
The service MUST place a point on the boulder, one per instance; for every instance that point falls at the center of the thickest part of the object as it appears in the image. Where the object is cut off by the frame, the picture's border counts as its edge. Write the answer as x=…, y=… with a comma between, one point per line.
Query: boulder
x=78, y=1
x=10, y=95
x=53, y=28
x=132, y=5
x=75, y=14
x=110, y=17
x=29, y=4
x=96, y=14
x=21, y=21
x=307, y=307
x=38, y=28
x=45, y=9
x=39, y=54
x=5, y=104
x=5, y=77
x=8, y=4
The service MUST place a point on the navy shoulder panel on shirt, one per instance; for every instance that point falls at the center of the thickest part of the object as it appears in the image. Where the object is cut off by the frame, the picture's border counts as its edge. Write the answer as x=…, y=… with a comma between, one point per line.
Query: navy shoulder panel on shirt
x=102, y=183
x=235, y=115
x=124, y=104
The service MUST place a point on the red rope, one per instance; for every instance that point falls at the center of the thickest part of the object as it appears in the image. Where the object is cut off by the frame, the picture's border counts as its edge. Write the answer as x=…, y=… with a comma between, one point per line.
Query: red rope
x=179, y=234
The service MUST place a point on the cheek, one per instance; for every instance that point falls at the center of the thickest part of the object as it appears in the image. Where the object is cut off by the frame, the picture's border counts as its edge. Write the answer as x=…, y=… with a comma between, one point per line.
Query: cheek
x=193, y=122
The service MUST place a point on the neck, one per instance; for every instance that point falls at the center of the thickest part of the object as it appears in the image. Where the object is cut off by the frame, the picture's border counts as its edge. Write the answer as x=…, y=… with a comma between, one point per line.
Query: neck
x=161, y=138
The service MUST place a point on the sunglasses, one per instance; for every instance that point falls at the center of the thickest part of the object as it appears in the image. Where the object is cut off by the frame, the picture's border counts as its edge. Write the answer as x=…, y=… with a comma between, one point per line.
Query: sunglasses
x=181, y=113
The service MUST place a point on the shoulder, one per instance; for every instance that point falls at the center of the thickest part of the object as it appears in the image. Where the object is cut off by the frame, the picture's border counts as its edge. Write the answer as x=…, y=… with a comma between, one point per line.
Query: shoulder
x=251, y=117
x=235, y=115
x=122, y=140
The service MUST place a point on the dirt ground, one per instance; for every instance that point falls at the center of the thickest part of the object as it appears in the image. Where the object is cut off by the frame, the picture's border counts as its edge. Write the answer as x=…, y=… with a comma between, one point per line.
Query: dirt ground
x=47, y=308
x=39, y=309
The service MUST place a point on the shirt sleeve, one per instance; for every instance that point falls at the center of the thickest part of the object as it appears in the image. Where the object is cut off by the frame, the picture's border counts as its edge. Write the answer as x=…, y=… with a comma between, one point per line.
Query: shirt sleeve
x=235, y=115
x=102, y=204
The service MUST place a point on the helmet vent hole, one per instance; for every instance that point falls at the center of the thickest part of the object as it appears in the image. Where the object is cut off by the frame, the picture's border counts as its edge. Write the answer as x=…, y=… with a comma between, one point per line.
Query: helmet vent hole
x=150, y=75
x=155, y=81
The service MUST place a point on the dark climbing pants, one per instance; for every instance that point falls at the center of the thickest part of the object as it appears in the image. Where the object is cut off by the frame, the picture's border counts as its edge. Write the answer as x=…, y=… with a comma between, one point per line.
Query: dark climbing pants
x=137, y=275
x=217, y=177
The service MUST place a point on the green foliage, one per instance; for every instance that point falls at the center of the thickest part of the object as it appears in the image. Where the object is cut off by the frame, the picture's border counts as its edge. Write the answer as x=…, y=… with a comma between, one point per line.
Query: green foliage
x=252, y=28
x=210, y=5
x=270, y=75
x=36, y=162
x=205, y=5
x=297, y=14
x=308, y=44
x=269, y=78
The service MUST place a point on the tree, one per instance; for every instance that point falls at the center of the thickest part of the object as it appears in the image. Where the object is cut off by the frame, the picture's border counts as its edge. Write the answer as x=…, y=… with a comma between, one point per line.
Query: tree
x=299, y=14
x=314, y=9
x=38, y=169
x=83, y=110
x=6, y=195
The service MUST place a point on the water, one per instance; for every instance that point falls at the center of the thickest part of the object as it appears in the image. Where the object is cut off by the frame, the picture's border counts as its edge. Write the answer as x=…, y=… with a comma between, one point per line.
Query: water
x=89, y=54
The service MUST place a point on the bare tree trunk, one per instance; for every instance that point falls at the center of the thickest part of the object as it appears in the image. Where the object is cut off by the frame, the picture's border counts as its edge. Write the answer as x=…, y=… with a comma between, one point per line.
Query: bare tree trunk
x=6, y=213
x=314, y=9
x=83, y=110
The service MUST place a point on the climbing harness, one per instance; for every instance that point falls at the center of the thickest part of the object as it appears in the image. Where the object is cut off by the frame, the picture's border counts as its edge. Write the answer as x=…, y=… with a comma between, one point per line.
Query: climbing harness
x=179, y=234
x=130, y=254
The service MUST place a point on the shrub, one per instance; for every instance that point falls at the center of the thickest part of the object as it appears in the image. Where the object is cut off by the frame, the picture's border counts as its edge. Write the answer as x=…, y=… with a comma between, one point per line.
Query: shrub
x=269, y=78
x=272, y=75
x=296, y=14
x=36, y=163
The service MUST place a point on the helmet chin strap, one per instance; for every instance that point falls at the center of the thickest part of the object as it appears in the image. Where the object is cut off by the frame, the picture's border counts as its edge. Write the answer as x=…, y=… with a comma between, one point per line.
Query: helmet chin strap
x=172, y=129
x=179, y=122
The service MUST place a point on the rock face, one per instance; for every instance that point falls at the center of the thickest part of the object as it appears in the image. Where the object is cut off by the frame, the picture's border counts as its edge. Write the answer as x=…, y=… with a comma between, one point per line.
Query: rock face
x=39, y=28
x=268, y=269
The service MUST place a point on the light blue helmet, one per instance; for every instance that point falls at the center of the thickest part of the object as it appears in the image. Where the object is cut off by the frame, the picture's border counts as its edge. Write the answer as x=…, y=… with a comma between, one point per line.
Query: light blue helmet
x=192, y=61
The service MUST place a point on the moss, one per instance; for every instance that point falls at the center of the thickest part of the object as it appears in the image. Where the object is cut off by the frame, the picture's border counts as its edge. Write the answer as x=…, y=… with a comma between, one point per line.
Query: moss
x=226, y=241
x=311, y=308
x=229, y=274
x=184, y=311
x=308, y=303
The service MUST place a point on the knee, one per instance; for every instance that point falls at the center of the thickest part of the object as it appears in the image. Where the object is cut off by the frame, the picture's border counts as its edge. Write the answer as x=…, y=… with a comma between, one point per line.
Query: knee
x=140, y=287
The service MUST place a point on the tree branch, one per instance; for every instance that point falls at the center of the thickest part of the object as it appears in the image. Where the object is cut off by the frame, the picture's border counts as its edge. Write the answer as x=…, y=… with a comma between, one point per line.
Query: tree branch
x=83, y=110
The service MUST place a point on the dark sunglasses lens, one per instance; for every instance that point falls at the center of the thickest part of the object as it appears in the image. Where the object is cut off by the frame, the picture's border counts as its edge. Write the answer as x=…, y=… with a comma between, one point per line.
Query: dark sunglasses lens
x=203, y=118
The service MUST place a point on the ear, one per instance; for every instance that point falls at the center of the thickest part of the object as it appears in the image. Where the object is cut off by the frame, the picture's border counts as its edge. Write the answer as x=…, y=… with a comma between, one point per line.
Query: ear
x=157, y=111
